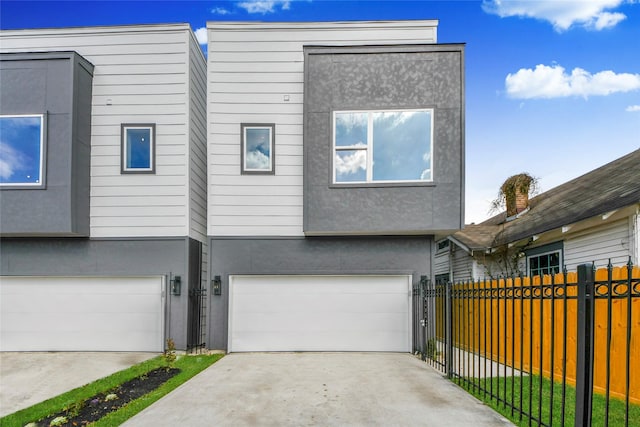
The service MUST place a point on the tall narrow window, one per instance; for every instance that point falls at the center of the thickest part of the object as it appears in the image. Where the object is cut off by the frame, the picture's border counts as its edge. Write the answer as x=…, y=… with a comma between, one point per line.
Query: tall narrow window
x=382, y=146
x=138, y=148
x=258, y=149
x=22, y=151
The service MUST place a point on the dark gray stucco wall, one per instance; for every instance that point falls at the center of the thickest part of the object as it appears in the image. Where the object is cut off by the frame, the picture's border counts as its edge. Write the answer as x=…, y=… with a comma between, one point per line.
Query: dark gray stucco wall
x=379, y=78
x=110, y=258
x=310, y=256
x=60, y=86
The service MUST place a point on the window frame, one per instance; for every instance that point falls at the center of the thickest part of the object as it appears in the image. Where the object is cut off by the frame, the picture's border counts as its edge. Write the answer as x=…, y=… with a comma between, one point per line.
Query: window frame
x=545, y=251
x=369, y=149
x=42, y=166
x=243, y=148
x=123, y=148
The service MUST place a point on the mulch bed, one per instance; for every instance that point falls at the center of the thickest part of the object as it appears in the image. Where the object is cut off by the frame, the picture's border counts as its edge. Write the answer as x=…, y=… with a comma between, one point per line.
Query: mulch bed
x=98, y=406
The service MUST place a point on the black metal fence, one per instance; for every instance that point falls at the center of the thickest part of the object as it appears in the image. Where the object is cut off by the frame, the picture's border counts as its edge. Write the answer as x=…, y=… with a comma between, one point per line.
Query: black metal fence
x=196, y=319
x=552, y=350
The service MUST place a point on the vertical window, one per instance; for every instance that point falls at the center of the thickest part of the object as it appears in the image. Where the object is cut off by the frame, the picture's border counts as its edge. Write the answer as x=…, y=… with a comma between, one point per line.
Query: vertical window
x=258, y=149
x=382, y=146
x=22, y=151
x=138, y=148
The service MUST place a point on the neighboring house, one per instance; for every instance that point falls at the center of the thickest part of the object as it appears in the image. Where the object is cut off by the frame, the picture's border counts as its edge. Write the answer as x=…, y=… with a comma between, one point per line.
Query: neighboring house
x=593, y=218
x=102, y=186
x=336, y=153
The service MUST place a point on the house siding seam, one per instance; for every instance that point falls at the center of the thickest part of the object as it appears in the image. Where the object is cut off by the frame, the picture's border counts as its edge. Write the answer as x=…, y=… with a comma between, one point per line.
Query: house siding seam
x=251, y=68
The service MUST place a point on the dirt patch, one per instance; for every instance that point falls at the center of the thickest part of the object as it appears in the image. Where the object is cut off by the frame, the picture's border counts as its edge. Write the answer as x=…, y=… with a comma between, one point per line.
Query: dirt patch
x=96, y=407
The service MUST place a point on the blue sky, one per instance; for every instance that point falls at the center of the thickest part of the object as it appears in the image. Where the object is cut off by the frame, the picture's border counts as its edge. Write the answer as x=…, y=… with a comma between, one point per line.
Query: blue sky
x=552, y=87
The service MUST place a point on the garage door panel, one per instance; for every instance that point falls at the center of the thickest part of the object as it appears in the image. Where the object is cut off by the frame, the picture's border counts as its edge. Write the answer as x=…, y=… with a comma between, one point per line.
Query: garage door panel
x=82, y=314
x=319, y=313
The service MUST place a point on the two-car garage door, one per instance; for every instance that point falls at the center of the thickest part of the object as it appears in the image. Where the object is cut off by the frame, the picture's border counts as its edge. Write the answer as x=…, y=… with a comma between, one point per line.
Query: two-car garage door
x=81, y=313
x=320, y=313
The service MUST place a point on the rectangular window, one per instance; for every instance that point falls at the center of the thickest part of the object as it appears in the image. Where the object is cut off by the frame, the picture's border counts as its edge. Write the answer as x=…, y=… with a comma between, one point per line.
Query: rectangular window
x=258, y=149
x=138, y=148
x=545, y=263
x=22, y=151
x=382, y=146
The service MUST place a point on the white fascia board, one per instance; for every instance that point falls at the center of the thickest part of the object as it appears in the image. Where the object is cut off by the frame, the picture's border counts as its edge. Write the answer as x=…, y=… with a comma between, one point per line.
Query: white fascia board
x=329, y=25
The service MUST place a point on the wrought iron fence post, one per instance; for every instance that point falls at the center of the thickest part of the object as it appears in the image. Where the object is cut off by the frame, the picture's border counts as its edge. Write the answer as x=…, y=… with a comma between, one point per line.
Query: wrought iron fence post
x=448, y=331
x=584, y=366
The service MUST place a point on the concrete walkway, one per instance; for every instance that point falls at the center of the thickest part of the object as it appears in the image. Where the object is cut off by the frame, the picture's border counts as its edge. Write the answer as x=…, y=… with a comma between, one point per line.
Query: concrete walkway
x=30, y=378
x=319, y=389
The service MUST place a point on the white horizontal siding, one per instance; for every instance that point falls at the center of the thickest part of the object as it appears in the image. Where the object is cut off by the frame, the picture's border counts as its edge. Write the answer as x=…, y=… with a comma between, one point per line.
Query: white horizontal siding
x=441, y=263
x=197, y=144
x=599, y=245
x=462, y=266
x=141, y=75
x=252, y=66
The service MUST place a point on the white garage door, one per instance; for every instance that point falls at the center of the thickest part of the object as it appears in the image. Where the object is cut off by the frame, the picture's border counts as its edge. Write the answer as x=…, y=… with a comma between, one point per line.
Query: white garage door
x=319, y=313
x=81, y=314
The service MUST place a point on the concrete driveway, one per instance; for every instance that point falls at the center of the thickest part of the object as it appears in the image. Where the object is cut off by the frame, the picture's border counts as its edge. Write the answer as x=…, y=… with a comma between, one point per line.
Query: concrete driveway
x=319, y=389
x=30, y=378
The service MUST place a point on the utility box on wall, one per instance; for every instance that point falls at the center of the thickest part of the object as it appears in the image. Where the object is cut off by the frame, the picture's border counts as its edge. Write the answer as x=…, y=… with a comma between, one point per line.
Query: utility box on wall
x=44, y=190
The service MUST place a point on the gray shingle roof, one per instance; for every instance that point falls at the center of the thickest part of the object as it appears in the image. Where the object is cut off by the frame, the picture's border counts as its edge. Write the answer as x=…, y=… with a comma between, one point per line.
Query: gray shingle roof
x=612, y=186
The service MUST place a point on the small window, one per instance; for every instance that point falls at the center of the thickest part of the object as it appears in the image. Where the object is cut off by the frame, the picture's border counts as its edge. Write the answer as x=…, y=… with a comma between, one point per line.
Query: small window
x=382, y=146
x=258, y=149
x=545, y=263
x=138, y=148
x=22, y=151
x=443, y=245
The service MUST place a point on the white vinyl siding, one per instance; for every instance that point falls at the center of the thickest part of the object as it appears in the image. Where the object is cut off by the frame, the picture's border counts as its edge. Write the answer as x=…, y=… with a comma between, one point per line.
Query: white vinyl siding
x=252, y=66
x=141, y=75
x=197, y=142
x=611, y=241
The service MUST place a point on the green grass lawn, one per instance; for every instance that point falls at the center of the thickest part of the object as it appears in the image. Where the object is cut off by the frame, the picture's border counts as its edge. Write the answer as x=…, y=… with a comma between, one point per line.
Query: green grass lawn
x=534, y=392
x=189, y=365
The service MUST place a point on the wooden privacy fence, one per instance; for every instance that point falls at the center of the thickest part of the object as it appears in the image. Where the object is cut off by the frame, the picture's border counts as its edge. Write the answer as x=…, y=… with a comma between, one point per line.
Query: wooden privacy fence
x=530, y=324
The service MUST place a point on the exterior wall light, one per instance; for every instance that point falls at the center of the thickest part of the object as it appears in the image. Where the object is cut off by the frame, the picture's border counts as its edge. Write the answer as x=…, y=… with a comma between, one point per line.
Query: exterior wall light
x=176, y=285
x=216, y=284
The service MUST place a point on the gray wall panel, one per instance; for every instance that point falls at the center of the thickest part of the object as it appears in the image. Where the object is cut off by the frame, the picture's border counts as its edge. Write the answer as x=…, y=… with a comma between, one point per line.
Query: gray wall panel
x=318, y=255
x=112, y=258
x=379, y=78
x=60, y=86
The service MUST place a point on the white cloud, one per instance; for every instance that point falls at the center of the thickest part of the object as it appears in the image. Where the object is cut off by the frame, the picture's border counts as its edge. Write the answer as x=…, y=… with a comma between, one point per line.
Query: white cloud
x=351, y=163
x=258, y=160
x=201, y=35
x=263, y=7
x=562, y=14
x=633, y=108
x=11, y=160
x=220, y=11
x=554, y=82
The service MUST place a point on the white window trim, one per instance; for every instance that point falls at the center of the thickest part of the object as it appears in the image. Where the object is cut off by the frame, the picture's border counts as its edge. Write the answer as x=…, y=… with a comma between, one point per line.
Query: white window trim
x=560, y=261
x=43, y=155
x=152, y=148
x=369, y=146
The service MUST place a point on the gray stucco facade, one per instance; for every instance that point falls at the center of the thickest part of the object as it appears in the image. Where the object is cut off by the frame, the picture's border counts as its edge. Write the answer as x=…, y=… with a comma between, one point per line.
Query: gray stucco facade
x=59, y=86
x=79, y=257
x=309, y=256
x=384, y=78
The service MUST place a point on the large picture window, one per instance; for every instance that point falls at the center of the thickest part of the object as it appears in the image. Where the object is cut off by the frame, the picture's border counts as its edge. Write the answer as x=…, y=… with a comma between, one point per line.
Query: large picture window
x=138, y=148
x=22, y=151
x=258, y=149
x=382, y=146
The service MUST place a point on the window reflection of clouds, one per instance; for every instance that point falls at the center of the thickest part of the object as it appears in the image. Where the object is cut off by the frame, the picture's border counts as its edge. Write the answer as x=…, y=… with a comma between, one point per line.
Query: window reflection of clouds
x=20, y=149
x=351, y=129
x=258, y=148
x=351, y=165
x=401, y=146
